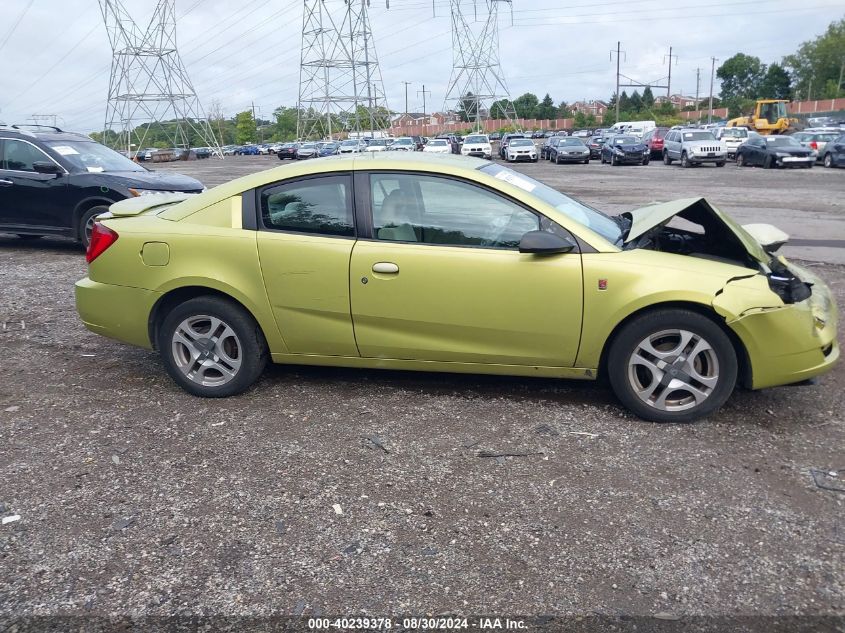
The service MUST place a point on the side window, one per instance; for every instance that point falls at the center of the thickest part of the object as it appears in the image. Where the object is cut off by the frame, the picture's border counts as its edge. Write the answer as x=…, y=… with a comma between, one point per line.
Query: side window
x=317, y=205
x=20, y=156
x=435, y=210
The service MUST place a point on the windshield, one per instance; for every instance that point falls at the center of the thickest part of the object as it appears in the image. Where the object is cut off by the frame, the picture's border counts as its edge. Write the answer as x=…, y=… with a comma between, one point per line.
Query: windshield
x=93, y=157
x=519, y=142
x=476, y=139
x=625, y=140
x=782, y=141
x=577, y=211
x=735, y=132
x=350, y=143
x=699, y=136
x=308, y=146
x=571, y=141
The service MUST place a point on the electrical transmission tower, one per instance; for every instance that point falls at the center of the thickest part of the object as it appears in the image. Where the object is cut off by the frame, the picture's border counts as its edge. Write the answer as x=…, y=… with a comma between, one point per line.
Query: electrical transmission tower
x=340, y=85
x=149, y=86
x=477, y=84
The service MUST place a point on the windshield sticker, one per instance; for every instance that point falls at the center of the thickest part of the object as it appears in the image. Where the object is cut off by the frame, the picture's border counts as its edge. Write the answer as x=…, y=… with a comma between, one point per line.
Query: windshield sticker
x=515, y=180
x=95, y=170
x=64, y=150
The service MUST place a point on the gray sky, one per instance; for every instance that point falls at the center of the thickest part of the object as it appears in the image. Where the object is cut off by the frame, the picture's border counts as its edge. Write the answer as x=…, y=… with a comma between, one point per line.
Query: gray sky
x=57, y=59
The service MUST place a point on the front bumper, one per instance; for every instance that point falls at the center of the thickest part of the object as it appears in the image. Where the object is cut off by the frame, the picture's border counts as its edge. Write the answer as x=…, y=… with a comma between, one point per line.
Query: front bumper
x=796, y=161
x=562, y=157
x=478, y=153
x=630, y=160
x=793, y=342
x=717, y=157
x=118, y=312
x=518, y=157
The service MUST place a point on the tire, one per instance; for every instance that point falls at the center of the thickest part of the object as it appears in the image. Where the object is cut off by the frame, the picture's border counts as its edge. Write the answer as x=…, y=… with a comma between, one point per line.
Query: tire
x=557, y=160
x=701, y=385
x=767, y=163
x=740, y=160
x=666, y=159
x=645, y=161
x=86, y=224
x=613, y=161
x=721, y=163
x=685, y=162
x=587, y=162
x=240, y=349
x=828, y=160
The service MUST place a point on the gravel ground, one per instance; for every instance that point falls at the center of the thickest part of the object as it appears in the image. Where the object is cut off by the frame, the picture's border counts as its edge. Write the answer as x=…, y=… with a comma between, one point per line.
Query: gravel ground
x=333, y=491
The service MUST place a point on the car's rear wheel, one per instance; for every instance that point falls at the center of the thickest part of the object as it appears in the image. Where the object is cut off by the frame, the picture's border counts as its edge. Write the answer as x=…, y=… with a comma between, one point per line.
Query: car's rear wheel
x=672, y=366
x=212, y=347
x=86, y=224
x=828, y=160
x=666, y=159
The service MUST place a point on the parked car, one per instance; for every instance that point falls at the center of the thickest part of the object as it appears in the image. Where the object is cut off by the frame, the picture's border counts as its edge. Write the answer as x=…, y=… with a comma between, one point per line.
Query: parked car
x=693, y=147
x=477, y=145
x=288, y=150
x=620, y=149
x=146, y=154
x=674, y=318
x=546, y=146
x=55, y=183
x=377, y=145
x=403, y=144
x=595, y=143
x=732, y=137
x=774, y=151
x=352, y=146
x=834, y=153
x=419, y=141
x=816, y=140
x=569, y=150
x=654, y=140
x=506, y=139
x=202, y=152
x=264, y=149
x=228, y=150
x=306, y=150
x=582, y=133
x=496, y=136
x=327, y=148
x=438, y=146
x=538, y=134
x=521, y=149
x=249, y=150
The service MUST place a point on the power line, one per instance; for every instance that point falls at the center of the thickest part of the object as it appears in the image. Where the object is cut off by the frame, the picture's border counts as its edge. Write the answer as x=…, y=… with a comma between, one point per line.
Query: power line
x=11, y=31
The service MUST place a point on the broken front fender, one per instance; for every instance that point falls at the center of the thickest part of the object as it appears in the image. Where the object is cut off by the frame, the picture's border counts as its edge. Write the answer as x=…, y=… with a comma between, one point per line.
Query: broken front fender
x=785, y=343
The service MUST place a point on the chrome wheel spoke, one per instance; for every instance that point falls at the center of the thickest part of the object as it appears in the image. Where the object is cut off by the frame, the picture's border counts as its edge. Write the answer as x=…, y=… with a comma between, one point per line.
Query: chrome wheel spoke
x=206, y=350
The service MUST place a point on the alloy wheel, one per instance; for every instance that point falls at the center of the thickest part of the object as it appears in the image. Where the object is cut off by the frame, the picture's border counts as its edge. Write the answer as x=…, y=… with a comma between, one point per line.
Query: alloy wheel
x=206, y=350
x=673, y=370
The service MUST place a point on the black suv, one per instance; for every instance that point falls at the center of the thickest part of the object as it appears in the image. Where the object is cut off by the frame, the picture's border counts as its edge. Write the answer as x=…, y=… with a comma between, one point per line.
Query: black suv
x=55, y=183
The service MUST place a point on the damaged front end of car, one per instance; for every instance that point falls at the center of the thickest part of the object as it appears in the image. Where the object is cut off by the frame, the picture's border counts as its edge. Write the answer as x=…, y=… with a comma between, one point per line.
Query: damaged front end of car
x=783, y=314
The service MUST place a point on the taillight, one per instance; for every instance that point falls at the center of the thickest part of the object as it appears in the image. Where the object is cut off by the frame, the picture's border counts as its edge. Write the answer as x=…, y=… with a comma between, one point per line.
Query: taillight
x=101, y=238
x=814, y=145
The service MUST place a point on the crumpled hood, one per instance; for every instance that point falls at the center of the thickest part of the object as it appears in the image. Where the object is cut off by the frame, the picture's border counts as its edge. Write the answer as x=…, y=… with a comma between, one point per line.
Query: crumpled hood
x=694, y=210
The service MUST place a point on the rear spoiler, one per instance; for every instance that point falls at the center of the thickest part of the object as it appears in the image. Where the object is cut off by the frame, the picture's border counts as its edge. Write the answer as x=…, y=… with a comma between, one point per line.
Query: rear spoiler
x=142, y=204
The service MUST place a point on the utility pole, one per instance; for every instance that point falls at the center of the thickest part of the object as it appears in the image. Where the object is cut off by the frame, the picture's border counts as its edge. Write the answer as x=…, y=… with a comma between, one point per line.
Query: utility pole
x=669, y=79
x=810, y=90
x=407, y=83
x=713, y=61
x=425, y=112
x=697, y=85
x=618, y=52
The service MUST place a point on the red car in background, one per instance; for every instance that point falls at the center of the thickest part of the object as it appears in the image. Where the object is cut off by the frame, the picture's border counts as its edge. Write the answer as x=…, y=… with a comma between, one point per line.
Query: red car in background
x=654, y=141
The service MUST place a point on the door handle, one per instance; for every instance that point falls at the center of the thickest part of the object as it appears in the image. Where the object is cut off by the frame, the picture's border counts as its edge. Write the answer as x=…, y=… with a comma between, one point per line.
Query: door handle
x=6, y=183
x=387, y=268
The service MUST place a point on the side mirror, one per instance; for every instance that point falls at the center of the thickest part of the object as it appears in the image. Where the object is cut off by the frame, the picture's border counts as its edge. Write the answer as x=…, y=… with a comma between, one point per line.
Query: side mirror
x=545, y=243
x=46, y=167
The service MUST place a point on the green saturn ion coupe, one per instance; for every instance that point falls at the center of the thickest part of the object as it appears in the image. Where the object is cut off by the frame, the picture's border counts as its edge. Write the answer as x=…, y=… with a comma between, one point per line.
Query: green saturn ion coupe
x=426, y=262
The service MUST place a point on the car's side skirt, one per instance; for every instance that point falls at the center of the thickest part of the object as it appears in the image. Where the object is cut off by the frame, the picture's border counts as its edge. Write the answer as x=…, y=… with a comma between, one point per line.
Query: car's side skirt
x=578, y=373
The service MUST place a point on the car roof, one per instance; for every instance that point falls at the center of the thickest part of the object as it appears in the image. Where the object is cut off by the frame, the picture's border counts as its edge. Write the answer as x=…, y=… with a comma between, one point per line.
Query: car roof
x=43, y=135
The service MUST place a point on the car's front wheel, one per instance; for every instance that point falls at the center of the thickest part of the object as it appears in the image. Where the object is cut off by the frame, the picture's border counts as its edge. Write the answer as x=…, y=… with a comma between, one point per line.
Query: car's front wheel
x=685, y=161
x=740, y=160
x=212, y=347
x=86, y=224
x=672, y=366
x=828, y=160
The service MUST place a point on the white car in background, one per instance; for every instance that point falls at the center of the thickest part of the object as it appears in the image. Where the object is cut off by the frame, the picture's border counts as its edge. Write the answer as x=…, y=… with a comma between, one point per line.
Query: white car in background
x=377, y=145
x=477, y=145
x=438, y=146
x=403, y=144
x=732, y=137
x=521, y=149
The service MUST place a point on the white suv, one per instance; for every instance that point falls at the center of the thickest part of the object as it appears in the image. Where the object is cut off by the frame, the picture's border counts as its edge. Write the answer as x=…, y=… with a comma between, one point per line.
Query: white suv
x=477, y=145
x=732, y=137
x=693, y=147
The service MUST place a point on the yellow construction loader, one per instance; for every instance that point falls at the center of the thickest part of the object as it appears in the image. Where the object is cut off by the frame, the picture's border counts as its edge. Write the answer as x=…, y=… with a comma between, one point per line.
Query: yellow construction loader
x=769, y=117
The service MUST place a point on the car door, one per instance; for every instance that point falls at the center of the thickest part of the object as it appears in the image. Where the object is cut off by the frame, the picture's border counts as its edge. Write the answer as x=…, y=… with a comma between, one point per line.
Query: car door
x=305, y=238
x=440, y=277
x=29, y=198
